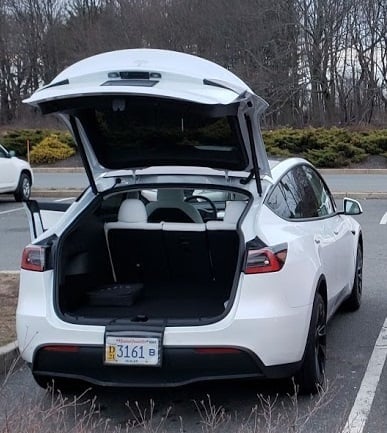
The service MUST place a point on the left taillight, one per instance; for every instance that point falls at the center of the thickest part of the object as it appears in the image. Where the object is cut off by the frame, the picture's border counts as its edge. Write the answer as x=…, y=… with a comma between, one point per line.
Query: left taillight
x=34, y=258
x=267, y=259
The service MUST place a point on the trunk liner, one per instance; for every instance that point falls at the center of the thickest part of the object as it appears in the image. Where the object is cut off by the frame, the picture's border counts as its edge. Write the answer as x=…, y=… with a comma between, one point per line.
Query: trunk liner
x=175, y=301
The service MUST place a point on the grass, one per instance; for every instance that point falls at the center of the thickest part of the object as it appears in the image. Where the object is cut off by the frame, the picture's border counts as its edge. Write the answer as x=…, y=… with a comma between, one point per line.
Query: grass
x=54, y=412
x=9, y=284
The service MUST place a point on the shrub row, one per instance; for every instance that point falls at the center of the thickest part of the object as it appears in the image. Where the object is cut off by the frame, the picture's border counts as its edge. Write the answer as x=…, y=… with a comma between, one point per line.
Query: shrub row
x=334, y=147
x=46, y=146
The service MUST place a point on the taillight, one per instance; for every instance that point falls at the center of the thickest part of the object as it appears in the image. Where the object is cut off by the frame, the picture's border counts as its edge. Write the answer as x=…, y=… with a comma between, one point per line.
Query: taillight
x=267, y=259
x=34, y=258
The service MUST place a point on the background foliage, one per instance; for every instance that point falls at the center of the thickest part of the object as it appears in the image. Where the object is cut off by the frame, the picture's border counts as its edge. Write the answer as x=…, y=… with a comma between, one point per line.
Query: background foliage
x=317, y=62
x=324, y=147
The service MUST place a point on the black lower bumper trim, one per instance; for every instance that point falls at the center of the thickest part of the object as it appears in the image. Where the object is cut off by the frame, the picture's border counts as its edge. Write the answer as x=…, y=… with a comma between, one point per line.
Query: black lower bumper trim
x=180, y=366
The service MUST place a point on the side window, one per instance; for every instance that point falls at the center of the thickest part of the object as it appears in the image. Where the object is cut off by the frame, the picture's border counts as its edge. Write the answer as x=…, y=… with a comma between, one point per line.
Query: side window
x=324, y=199
x=2, y=153
x=285, y=198
x=300, y=194
x=277, y=202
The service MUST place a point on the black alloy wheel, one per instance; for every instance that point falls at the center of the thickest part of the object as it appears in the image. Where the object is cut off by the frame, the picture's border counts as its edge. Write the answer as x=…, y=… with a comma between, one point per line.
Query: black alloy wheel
x=311, y=377
x=353, y=302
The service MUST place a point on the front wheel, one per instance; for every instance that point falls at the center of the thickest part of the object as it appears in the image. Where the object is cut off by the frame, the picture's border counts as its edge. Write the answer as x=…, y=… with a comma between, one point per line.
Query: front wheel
x=23, y=190
x=311, y=377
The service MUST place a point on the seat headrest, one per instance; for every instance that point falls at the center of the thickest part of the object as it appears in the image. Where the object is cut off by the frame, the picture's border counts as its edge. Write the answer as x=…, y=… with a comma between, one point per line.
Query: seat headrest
x=233, y=211
x=132, y=210
x=176, y=195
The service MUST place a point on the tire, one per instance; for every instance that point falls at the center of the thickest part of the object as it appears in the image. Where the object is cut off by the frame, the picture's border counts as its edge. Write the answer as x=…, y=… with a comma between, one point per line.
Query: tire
x=353, y=302
x=23, y=190
x=311, y=377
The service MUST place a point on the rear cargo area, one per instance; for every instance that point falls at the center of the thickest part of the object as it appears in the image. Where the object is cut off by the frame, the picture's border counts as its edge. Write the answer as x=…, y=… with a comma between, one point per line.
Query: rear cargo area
x=179, y=272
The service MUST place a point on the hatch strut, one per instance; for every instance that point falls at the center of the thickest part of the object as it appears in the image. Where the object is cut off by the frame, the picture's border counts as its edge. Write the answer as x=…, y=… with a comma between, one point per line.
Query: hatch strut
x=83, y=155
x=256, y=170
x=247, y=179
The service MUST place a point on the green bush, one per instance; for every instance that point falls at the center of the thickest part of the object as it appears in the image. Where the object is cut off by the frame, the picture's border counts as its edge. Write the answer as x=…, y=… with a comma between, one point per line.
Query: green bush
x=333, y=147
x=17, y=139
x=49, y=150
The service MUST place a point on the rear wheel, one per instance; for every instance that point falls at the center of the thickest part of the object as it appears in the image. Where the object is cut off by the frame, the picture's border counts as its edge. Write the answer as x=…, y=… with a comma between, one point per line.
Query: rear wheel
x=311, y=377
x=354, y=301
x=23, y=190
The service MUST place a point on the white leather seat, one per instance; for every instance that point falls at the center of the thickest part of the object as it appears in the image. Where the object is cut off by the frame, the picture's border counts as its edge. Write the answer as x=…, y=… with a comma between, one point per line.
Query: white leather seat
x=232, y=213
x=171, y=207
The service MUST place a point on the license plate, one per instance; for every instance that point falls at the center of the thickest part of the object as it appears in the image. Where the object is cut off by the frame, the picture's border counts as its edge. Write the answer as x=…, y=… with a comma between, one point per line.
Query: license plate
x=124, y=350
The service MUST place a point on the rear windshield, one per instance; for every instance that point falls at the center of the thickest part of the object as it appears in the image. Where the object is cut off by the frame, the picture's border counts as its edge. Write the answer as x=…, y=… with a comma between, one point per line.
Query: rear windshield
x=141, y=132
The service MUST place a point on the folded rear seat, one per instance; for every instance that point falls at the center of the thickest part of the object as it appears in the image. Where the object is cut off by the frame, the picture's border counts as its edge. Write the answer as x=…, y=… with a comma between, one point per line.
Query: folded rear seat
x=187, y=252
x=223, y=241
x=135, y=246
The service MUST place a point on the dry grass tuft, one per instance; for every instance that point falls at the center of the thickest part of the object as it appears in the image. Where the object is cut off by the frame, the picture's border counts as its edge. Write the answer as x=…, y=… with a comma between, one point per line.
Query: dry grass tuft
x=9, y=285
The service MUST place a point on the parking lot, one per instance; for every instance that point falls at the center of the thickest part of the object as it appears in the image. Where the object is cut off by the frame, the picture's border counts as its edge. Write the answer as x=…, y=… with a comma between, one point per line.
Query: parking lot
x=357, y=376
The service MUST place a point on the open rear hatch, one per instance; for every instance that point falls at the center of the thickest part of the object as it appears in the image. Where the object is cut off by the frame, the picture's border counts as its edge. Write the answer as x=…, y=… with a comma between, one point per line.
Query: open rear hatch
x=134, y=109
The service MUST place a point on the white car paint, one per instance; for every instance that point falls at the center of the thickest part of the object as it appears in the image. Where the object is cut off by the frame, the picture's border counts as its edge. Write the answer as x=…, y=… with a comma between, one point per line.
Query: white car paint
x=269, y=314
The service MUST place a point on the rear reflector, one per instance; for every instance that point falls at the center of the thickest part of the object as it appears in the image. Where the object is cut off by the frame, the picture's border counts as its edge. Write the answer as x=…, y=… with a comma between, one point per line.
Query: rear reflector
x=34, y=258
x=61, y=348
x=265, y=260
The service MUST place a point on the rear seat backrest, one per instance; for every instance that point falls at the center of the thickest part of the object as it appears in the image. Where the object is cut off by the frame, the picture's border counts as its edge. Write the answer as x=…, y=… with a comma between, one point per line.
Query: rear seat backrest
x=223, y=240
x=135, y=246
x=171, y=207
x=187, y=252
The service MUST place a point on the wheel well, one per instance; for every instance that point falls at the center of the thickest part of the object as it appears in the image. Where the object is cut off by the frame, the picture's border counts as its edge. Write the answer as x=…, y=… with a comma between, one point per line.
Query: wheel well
x=26, y=172
x=322, y=289
x=361, y=240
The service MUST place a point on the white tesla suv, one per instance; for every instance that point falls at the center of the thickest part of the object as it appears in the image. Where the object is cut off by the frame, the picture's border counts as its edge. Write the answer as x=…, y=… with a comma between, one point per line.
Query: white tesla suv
x=15, y=175
x=191, y=256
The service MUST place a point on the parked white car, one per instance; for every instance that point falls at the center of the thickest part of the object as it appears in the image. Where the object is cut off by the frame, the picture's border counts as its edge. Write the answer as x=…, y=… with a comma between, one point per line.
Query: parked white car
x=15, y=175
x=191, y=256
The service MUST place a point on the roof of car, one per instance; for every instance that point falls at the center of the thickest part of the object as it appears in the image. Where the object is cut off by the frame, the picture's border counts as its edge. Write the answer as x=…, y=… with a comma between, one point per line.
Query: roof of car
x=145, y=72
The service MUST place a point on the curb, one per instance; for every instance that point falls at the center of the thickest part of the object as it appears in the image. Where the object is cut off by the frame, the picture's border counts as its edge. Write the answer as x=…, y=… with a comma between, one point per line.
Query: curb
x=321, y=170
x=64, y=192
x=73, y=193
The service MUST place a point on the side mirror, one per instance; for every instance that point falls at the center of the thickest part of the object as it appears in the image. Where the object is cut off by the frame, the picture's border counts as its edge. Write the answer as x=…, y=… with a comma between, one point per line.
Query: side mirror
x=351, y=207
x=12, y=153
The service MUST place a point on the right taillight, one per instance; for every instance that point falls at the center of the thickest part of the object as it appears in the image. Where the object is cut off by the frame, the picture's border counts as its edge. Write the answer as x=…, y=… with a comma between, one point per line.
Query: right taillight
x=267, y=259
x=34, y=258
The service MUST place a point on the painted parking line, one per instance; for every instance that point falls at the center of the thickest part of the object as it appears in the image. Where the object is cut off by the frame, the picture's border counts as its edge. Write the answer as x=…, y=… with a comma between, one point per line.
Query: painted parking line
x=384, y=219
x=362, y=406
x=11, y=210
x=64, y=199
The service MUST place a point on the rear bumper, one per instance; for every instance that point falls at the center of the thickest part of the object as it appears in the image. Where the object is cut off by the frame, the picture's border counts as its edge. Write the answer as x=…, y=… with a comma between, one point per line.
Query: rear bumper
x=180, y=366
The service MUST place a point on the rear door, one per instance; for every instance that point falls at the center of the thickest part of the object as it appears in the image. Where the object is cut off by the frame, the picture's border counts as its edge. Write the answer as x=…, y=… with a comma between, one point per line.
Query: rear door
x=9, y=174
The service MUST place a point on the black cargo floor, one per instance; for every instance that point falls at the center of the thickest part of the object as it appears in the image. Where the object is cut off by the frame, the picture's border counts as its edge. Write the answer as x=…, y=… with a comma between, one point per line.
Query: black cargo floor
x=159, y=302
